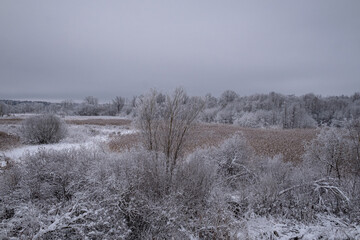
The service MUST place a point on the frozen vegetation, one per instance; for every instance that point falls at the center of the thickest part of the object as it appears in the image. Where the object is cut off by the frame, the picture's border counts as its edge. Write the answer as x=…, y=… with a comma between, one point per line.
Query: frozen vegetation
x=78, y=136
x=78, y=188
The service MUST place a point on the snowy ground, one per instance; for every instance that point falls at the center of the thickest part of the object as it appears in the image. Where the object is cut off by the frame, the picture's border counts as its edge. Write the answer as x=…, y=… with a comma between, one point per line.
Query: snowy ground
x=75, y=117
x=84, y=136
x=326, y=227
x=19, y=115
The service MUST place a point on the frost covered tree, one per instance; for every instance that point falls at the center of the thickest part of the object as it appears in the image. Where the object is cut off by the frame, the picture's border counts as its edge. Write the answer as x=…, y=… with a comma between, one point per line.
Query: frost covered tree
x=227, y=97
x=91, y=100
x=353, y=128
x=90, y=107
x=118, y=102
x=3, y=109
x=295, y=116
x=331, y=151
x=165, y=126
x=210, y=101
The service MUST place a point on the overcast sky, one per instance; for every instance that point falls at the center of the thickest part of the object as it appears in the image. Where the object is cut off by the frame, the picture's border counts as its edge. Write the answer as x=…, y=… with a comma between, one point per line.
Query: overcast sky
x=58, y=50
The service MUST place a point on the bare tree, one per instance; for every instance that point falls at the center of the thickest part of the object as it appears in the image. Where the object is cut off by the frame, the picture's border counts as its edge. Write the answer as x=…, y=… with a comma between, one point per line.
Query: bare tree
x=118, y=102
x=2, y=109
x=91, y=100
x=330, y=150
x=227, y=97
x=353, y=128
x=165, y=126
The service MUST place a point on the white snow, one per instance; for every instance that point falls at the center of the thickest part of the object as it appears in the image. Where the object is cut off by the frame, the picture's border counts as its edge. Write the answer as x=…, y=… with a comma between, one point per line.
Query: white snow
x=3, y=163
x=326, y=227
x=20, y=115
x=79, y=136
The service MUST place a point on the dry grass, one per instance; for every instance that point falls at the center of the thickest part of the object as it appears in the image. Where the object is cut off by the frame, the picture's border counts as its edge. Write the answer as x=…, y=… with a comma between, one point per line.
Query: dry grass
x=124, y=142
x=101, y=122
x=290, y=142
x=209, y=135
x=266, y=142
x=10, y=120
x=8, y=141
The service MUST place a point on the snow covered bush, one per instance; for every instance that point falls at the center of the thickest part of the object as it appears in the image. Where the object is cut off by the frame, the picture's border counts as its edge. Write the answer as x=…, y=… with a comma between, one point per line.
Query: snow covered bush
x=331, y=152
x=248, y=119
x=43, y=129
x=333, y=156
x=53, y=175
x=160, y=204
x=67, y=194
x=258, y=119
x=233, y=158
x=226, y=114
x=208, y=115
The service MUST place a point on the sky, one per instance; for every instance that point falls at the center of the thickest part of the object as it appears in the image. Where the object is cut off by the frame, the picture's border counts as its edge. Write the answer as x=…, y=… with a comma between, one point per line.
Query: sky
x=56, y=50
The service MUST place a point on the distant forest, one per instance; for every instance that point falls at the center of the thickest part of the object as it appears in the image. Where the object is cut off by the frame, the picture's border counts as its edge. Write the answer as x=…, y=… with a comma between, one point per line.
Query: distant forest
x=258, y=110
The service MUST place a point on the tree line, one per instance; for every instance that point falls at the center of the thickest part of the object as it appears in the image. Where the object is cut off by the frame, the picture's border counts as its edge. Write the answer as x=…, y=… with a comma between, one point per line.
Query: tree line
x=257, y=110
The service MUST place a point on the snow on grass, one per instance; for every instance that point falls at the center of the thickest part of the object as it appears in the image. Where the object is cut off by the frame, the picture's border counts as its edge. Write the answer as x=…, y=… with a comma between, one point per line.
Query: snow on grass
x=3, y=163
x=75, y=117
x=79, y=136
x=20, y=115
x=327, y=227
x=23, y=116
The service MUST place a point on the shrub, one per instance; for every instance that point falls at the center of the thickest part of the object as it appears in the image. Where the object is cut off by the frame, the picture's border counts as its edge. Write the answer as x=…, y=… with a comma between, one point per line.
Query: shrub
x=47, y=198
x=43, y=129
x=161, y=205
x=233, y=158
x=49, y=174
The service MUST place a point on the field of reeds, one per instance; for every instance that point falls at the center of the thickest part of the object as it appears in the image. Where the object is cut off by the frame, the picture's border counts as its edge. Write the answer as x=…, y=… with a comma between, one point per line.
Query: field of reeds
x=266, y=142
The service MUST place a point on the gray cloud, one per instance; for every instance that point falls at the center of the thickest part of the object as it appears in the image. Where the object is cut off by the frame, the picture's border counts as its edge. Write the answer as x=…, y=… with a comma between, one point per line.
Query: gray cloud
x=71, y=49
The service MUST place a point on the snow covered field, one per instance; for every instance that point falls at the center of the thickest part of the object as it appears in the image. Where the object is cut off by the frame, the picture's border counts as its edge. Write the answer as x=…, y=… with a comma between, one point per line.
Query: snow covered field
x=75, y=117
x=79, y=136
x=327, y=227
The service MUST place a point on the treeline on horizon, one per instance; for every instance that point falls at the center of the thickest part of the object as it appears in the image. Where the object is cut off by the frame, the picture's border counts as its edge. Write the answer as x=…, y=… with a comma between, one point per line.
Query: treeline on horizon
x=257, y=110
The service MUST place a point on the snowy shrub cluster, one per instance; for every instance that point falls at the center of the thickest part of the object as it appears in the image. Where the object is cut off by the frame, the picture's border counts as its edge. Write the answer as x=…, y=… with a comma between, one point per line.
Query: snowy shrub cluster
x=258, y=119
x=76, y=193
x=61, y=195
x=43, y=129
x=271, y=187
x=335, y=155
x=209, y=194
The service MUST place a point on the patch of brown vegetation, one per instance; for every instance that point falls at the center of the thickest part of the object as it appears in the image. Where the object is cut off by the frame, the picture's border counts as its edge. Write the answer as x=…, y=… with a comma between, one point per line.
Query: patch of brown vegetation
x=124, y=142
x=266, y=142
x=10, y=120
x=8, y=141
x=270, y=142
x=101, y=122
x=209, y=135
